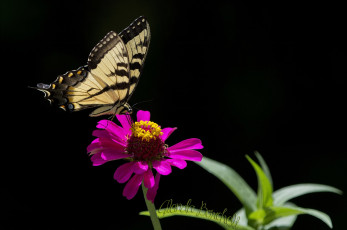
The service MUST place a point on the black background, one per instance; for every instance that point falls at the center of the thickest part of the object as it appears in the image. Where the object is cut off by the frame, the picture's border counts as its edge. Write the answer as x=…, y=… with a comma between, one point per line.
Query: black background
x=239, y=76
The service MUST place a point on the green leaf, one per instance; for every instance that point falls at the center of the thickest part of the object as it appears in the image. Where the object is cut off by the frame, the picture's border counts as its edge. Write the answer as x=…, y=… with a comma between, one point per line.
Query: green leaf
x=256, y=218
x=284, y=194
x=264, y=166
x=225, y=221
x=264, y=186
x=273, y=213
x=260, y=219
x=242, y=214
x=233, y=181
x=282, y=223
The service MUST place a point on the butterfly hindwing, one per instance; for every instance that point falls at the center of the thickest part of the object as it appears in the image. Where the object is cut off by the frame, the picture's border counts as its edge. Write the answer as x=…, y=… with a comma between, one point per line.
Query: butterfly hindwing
x=107, y=82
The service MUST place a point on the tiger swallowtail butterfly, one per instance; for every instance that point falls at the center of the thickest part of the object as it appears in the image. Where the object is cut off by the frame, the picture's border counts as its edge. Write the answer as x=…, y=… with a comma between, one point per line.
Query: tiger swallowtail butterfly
x=108, y=80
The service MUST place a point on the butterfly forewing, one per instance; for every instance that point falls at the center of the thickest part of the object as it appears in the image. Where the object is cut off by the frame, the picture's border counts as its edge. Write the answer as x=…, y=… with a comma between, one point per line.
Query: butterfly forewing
x=109, y=62
x=136, y=38
x=114, y=67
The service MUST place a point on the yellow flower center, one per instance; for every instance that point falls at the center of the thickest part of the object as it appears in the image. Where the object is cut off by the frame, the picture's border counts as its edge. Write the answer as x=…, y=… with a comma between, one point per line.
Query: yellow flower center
x=146, y=130
x=144, y=143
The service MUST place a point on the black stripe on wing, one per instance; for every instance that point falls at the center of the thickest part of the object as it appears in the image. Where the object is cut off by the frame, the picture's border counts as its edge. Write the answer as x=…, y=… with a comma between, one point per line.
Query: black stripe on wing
x=136, y=38
x=102, y=48
x=116, y=86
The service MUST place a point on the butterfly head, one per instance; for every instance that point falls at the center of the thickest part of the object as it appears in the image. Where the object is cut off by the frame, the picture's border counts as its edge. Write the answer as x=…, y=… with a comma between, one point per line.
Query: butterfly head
x=124, y=109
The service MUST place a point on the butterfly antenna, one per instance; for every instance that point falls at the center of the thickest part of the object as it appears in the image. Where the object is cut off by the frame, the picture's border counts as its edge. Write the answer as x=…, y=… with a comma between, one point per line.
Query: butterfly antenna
x=136, y=108
x=134, y=105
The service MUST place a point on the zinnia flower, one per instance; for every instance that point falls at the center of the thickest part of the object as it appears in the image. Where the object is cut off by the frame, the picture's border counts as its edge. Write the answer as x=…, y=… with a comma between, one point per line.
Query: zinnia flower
x=143, y=145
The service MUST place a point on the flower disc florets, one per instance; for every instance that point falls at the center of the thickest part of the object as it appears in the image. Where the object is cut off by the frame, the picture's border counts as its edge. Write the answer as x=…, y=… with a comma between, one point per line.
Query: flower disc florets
x=145, y=143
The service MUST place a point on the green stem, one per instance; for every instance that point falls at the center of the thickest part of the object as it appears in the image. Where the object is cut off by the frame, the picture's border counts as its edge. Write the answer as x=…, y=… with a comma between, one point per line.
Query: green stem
x=151, y=210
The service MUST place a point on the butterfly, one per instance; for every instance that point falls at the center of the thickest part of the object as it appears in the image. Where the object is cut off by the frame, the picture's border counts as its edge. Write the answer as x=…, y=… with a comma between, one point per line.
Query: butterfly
x=110, y=77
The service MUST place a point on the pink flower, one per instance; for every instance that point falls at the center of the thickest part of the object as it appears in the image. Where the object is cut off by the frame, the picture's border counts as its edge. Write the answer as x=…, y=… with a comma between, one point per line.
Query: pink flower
x=143, y=145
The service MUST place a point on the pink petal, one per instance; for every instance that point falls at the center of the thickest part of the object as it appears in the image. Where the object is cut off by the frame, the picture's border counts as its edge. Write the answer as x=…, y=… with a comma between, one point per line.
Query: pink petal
x=97, y=160
x=162, y=167
x=132, y=186
x=111, y=145
x=190, y=155
x=111, y=127
x=95, y=145
x=97, y=140
x=124, y=172
x=181, y=164
x=124, y=120
x=104, y=143
x=143, y=115
x=167, y=132
x=192, y=143
x=101, y=134
x=140, y=167
x=148, y=179
x=111, y=155
x=111, y=136
x=152, y=192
